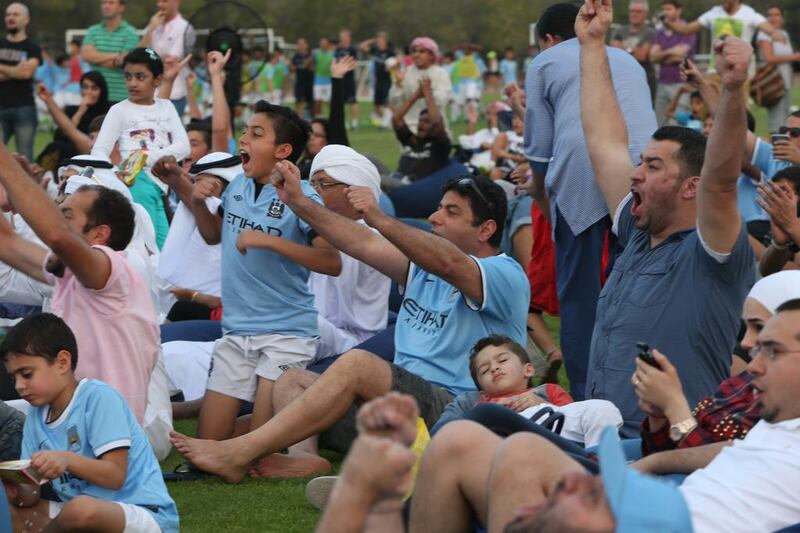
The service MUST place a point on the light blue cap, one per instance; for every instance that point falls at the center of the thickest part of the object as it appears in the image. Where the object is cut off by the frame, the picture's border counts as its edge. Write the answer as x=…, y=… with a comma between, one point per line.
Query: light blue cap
x=640, y=503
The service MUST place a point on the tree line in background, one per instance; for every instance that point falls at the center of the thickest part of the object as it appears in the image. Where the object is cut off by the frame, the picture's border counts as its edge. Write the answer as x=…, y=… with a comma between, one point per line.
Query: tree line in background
x=492, y=23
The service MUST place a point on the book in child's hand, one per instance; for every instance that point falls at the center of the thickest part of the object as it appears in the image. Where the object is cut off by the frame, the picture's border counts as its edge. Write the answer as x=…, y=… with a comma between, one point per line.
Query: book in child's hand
x=21, y=472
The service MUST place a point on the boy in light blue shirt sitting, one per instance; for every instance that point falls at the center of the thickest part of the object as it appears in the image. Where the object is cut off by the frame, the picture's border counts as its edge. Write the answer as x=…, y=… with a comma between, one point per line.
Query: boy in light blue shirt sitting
x=269, y=322
x=84, y=439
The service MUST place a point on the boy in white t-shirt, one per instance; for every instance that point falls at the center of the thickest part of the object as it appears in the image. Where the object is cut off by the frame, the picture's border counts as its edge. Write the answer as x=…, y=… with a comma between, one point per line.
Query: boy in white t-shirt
x=147, y=128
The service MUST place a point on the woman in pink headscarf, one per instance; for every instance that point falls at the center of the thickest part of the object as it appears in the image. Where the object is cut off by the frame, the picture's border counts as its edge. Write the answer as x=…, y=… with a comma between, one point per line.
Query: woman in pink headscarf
x=425, y=53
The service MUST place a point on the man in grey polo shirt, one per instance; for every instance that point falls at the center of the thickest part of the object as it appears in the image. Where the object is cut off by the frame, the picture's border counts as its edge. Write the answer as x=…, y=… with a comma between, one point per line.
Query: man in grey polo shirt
x=687, y=265
x=556, y=149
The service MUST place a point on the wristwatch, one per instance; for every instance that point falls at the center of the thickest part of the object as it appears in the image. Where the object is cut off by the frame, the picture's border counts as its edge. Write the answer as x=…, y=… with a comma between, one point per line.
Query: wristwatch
x=678, y=431
x=791, y=246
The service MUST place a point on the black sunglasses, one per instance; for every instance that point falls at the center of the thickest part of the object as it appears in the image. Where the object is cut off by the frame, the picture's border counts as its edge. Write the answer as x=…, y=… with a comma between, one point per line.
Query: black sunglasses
x=793, y=132
x=470, y=182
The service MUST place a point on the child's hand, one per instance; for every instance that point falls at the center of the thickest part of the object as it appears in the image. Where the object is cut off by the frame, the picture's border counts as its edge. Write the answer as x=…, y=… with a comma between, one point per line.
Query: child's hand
x=216, y=62
x=191, y=78
x=50, y=464
x=286, y=179
x=522, y=401
x=167, y=170
x=252, y=239
x=43, y=93
x=203, y=189
x=173, y=67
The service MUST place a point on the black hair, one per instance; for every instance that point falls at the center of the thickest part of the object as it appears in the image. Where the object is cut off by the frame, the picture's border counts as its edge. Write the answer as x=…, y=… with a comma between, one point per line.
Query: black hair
x=77, y=41
x=557, y=20
x=40, y=335
x=495, y=340
x=790, y=175
x=692, y=151
x=508, y=49
x=61, y=58
x=112, y=209
x=776, y=6
x=147, y=57
x=789, y=305
x=676, y=3
x=695, y=95
x=202, y=127
x=289, y=127
x=492, y=206
x=98, y=79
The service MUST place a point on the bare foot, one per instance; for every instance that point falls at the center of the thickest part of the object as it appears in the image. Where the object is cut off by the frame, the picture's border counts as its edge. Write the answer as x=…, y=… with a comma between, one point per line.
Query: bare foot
x=221, y=458
x=280, y=465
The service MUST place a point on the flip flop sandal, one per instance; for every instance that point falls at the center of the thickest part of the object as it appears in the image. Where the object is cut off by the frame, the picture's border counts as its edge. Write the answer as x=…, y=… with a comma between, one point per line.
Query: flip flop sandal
x=185, y=472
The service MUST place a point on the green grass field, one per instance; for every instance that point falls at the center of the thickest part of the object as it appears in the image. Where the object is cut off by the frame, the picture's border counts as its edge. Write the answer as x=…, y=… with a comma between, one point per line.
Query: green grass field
x=280, y=506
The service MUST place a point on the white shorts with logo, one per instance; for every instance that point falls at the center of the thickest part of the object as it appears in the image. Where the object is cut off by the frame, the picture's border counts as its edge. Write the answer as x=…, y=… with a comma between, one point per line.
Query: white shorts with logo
x=137, y=519
x=238, y=361
x=322, y=93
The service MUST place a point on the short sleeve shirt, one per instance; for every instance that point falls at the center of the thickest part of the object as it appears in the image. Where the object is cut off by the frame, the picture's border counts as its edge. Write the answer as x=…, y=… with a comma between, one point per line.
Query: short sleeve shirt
x=116, y=328
x=304, y=75
x=122, y=39
x=342, y=52
x=17, y=93
x=678, y=299
x=671, y=73
x=742, y=24
x=437, y=325
x=379, y=58
x=764, y=160
x=97, y=421
x=264, y=291
x=419, y=158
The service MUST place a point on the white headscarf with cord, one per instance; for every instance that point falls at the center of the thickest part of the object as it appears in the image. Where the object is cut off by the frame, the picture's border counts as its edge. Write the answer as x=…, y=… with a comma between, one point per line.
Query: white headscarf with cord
x=776, y=289
x=345, y=165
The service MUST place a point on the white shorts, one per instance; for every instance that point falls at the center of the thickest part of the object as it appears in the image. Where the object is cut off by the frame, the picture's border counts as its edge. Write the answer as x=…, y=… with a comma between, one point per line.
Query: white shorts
x=322, y=93
x=137, y=519
x=469, y=90
x=238, y=361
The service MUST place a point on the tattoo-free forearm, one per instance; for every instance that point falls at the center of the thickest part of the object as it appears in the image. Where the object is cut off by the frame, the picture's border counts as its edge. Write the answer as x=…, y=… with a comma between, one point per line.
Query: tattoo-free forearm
x=684, y=460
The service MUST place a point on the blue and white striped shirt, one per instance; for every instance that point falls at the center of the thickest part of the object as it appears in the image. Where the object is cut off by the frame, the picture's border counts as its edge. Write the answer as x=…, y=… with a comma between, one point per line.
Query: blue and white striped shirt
x=554, y=134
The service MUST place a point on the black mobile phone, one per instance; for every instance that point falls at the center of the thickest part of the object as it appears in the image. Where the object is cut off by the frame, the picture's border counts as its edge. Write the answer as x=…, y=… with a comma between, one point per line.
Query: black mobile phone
x=646, y=354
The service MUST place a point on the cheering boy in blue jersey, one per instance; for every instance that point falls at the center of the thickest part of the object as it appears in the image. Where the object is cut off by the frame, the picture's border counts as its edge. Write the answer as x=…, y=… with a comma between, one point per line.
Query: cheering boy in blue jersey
x=270, y=322
x=82, y=437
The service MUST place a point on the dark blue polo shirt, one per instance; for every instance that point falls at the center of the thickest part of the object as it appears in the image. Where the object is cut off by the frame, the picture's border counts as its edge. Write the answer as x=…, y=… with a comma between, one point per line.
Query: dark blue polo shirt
x=677, y=298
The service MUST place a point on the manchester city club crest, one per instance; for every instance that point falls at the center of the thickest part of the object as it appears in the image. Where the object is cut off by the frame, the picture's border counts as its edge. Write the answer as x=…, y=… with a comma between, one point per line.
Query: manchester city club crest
x=276, y=208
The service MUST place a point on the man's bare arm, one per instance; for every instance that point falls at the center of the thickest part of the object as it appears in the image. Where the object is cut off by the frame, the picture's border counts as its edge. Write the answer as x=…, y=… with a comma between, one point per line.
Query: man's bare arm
x=20, y=254
x=718, y=217
x=684, y=28
x=91, y=267
x=681, y=460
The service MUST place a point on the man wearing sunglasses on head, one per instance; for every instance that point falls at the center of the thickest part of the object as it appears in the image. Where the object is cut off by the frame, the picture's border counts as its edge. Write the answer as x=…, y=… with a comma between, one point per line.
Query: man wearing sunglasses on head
x=457, y=288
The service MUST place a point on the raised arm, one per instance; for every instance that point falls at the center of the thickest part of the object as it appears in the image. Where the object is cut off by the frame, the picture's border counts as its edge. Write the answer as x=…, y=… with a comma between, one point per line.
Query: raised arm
x=191, y=98
x=718, y=217
x=603, y=123
x=773, y=32
x=208, y=224
x=92, y=267
x=426, y=87
x=81, y=141
x=220, y=112
x=337, y=132
x=389, y=254
x=20, y=254
x=170, y=172
x=356, y=240
x=398, y=119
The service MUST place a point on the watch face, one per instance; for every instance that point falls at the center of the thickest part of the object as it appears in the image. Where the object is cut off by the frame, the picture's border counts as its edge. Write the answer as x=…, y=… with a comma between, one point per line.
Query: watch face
x=675, y=433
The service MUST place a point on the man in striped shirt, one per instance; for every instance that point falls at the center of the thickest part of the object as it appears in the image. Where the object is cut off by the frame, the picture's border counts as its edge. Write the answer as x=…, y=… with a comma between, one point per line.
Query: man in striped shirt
x=106, y=45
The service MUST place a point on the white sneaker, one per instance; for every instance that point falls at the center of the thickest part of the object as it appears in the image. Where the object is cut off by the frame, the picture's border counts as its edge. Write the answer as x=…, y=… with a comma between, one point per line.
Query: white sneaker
x=319, y=489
